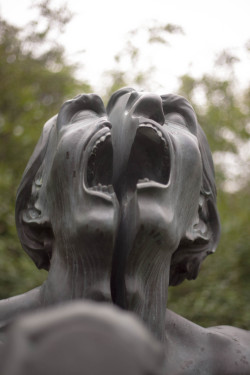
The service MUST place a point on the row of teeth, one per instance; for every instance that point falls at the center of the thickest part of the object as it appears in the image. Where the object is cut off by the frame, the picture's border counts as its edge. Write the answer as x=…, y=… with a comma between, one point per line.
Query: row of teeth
x=104, y=188
x=99, y=140
x=159, y=133
x=141, y=180
x=93, y=153
x=109, y=188
x=105, y=136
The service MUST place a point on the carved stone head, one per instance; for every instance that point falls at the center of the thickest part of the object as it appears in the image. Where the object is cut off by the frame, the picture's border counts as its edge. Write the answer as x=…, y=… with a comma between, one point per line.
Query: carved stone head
x=125, y=194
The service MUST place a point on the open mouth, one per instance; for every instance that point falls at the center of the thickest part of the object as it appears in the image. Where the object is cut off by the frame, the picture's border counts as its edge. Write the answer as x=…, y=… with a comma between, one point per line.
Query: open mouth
x=100, y=164
x=148, y=165
x=149, y=160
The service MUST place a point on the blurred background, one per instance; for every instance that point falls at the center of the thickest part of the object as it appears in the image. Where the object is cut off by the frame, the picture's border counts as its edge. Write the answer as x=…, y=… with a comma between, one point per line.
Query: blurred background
x=51, y=51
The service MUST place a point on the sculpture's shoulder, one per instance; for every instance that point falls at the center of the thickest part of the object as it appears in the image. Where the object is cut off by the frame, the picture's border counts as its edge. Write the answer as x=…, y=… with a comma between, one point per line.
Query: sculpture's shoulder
x=11, y=308
x=236, y=346
x=192, y=349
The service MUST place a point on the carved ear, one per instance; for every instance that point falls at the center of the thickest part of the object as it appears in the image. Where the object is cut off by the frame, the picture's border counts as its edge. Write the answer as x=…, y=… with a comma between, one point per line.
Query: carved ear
x=33, y=226
x=37, y=237
x=200, y=240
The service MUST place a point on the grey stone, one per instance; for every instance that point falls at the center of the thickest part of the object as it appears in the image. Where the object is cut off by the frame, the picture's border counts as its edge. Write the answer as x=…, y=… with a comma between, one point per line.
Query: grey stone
x=118, y=204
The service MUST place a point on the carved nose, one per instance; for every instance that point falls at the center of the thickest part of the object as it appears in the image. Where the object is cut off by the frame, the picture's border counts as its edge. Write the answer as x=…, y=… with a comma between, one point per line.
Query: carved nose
x=149, y=106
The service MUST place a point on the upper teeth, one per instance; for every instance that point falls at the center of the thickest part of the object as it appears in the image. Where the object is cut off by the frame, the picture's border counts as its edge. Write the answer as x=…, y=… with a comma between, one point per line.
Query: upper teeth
x=99, y=140
x=143, y=180
x=159, y=133
x=99, y=186
x=109, y=188
x=103, y=188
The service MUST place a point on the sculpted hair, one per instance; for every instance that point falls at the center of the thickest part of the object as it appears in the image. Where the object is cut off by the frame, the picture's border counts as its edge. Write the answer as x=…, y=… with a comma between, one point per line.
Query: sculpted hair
x=33, y=225
x=29, y=237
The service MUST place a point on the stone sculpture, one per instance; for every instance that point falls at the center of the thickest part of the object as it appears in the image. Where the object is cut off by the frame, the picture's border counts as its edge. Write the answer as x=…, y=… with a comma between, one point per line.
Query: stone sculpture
x=118, y=204
x=81, y=338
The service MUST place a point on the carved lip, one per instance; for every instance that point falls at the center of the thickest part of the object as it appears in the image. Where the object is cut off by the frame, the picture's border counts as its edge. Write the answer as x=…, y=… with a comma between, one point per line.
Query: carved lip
x=150, y=158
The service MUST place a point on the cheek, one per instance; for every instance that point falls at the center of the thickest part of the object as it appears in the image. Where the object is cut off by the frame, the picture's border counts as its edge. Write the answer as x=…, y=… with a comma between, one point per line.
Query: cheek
x=190, y=171
x=187, y=168
x=79, y=215
x=189, y=179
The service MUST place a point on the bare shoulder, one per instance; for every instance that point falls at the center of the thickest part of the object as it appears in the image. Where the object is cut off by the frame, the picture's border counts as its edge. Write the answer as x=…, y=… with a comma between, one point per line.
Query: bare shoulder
x=11, y=308
x=236, y=343
x=208, y=351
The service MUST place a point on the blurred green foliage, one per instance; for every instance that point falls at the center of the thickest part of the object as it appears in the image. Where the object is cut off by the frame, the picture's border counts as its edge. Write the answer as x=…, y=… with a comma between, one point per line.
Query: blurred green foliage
x=220, y=295
x=132, y=67
x=36, y=79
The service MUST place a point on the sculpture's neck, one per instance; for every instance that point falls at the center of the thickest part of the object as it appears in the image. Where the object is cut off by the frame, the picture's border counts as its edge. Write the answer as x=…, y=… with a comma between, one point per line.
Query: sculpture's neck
x=86, y=277
x=148, y=293
x=76, y=276
x=151, y=307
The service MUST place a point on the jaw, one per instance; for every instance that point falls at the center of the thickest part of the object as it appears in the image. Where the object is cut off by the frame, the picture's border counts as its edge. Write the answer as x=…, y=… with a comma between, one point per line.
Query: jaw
x=147, y=179
x=148, y=170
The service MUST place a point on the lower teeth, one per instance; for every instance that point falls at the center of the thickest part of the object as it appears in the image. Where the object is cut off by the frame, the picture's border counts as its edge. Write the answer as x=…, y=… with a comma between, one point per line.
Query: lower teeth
x=103, y=188
x=109, y=188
